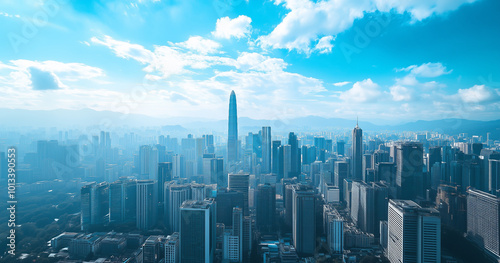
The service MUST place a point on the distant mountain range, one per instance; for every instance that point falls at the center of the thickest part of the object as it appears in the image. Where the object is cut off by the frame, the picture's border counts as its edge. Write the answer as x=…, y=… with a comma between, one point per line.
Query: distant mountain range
x=88, y=117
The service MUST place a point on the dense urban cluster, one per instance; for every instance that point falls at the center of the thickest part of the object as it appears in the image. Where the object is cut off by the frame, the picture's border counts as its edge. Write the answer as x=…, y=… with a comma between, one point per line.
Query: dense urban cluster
x=263, y=197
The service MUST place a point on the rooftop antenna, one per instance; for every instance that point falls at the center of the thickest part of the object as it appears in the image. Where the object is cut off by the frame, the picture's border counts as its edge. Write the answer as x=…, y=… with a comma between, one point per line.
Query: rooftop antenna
x=357, y=121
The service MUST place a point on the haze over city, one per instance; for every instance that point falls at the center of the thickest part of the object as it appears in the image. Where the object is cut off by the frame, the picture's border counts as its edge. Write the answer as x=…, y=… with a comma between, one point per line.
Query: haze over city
x=275, y=131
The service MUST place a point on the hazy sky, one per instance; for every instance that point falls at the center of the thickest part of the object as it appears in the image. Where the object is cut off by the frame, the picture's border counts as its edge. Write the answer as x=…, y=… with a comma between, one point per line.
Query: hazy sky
x=380, y=59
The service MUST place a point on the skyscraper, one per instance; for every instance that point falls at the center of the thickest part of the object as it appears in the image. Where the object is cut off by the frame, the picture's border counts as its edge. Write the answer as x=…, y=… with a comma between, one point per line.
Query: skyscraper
x=94, y=204
x=117, y=201
x=334, y=228
x=409, y=170
x=164, y=175
x=357, y=153
x=303, y=220
x=266, y=150
x=232, y=140
x=414, y=233
x=276, y=159
x=294, y=156
x=197, y=231
x=226, y=201
x=483, y=217
x=146, y=204
x=238, y=226
x=177, y=195
x=217, y=173
x=239, y=183
x=265, y=198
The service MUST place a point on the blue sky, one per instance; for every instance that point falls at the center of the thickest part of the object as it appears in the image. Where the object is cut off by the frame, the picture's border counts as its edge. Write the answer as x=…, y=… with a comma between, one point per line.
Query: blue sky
x=383, y=60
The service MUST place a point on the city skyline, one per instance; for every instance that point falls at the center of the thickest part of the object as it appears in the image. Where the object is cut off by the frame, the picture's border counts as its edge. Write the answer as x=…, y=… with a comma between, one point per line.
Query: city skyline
x=388, y=61
x=237, y=131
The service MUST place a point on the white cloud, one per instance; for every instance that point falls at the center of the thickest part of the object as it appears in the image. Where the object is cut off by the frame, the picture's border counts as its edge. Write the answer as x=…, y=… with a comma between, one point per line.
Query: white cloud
x=201, y=45
x=46, y=75
x=427, y=70
x=324, y=45
x=362, y=91
x=238, y=28
x=184, y=57
x=255, y=61
x=125, y=49
x=400, y=93
x=307, y=20
x=340, y=84
x=174, y=59
x=477, y=94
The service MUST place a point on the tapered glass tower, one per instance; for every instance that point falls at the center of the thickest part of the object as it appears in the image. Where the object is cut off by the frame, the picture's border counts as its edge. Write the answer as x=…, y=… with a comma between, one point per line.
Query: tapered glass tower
x=232, y=140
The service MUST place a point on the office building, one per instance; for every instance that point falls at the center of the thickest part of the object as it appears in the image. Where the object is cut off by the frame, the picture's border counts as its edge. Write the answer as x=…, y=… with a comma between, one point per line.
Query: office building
x=171, y=248
x=240, y=183
x=303, y=220
x=409, y=170
x=232, y=140
x=483, y=225
x=265, y=197
x=266, y=150
x=414, y=233
x=94, y=204
x=227, y=200
x=357, y=153
x=197, y=231
x=334, y=228
x=146, y=204
x=177, y=195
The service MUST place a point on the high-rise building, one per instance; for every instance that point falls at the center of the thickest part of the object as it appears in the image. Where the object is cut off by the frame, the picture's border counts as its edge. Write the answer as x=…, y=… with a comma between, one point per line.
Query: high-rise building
x=240, y=183
x=217, y=173
x=341, y=147
x=151, y=252
x=117, y=192
x=357, y=153
x=494, y=176
x=483, y=224
x=145, y=153
x=238, y=230
x=452, y=206
x=409, y=170
x=340, y=172
x=266, y=149
x=164, y=175
x=146, y=204
x=197, y=231
x=304, y=220
x=265, y=199
x=231, y=252
x=94, y=204
x=171, y=248
x=414, y=233
x=295, y=163
x=369, y=205
x=226, y=201
x=334, y=228
x=276, y=160
x=177, y=194
x=178, y=166
x=198, y=192
x=232, y=140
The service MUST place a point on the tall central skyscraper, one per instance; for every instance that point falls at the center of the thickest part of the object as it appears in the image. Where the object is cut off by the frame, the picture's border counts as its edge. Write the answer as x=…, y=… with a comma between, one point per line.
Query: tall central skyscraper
x=232, y=140
x=357, y=153
x=266, y=149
